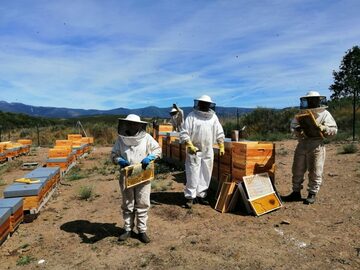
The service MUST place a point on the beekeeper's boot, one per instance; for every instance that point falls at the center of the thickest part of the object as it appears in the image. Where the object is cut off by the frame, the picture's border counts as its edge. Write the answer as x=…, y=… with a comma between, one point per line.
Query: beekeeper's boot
x=294, y=196
x=202, y=201
x=310, y=199
x=124, y=236
x=144, y=238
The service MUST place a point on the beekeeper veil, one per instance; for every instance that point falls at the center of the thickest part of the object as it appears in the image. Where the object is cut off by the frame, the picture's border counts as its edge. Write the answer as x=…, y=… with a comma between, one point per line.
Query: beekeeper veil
x=131, y=128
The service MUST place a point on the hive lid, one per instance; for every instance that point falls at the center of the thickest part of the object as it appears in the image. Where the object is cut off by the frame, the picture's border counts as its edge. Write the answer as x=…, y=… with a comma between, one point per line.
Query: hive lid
x=13, y=203
x=5, y=213
x=23, y=190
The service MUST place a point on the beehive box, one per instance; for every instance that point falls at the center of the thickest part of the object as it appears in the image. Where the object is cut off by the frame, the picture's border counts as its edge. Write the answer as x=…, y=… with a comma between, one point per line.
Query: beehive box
x=74, y=137
x=67, y=143
x=3, y=157
x=25, y=141
x=225, y=161
x=164, y=147
x=52, y=172
x=17, y=213
x=135, y=175
x=216, y=164
x=182, y=152
x=33, y=194
x=175, y=150
x=250, y=158
x=5, y=214
x=261, y=194
x=63, y=163
x=59, y=152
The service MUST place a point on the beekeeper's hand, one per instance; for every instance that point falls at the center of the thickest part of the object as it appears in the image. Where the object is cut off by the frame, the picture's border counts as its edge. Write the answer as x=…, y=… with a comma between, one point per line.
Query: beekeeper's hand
x=221, y=149
x=191, y=148
x=322, y=128
x=122, y=162
x=146, y=161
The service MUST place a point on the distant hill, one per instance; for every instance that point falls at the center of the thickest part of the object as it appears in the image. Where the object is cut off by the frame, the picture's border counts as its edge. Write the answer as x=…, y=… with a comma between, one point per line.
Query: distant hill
x=152, y=111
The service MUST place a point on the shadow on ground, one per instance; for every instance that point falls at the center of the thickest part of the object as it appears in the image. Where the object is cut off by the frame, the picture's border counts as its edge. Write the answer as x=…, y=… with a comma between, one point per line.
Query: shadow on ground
x=97, y=231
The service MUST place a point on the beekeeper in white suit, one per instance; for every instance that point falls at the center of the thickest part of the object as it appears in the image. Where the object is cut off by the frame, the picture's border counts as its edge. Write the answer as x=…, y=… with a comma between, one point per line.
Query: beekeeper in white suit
x=176, y=118
x=200, y=131
x=310, y=151
x=133, y=146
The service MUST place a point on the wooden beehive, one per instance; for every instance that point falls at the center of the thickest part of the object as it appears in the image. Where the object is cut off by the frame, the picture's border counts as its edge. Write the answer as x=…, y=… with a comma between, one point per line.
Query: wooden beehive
x=225, y=161
x=164, y=147
x=33, y=194
x=17, y=213
x=175, y=150
x=59, y=152
x=67, y=143
x=25, y=141
x=5, y=214
x=63, y=163
x=74, y=137
x=250, y=158
x=135, y=175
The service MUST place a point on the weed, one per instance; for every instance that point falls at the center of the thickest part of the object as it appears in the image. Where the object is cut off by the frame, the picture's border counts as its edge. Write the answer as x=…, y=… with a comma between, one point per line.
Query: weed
x=157, y=185
x=24, y=260
x=349, y=149
x=85, y=193
x=282, y=152
x=74, y=176
x=2, y=182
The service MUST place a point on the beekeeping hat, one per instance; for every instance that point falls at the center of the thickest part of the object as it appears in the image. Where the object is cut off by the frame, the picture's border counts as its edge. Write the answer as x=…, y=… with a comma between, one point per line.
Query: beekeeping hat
x=133, y=118
x=311, y=94
x=205, y=98
x=312, y=100
x=173, y=110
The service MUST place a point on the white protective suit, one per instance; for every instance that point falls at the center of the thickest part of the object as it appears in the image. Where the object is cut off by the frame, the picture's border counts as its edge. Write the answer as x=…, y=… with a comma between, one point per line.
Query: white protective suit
x=310, y=152
x=177, y=120
x=135, y=200
x=203, y=129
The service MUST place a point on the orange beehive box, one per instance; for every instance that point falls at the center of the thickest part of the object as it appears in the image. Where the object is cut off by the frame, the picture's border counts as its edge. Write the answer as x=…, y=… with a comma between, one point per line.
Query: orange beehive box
x=87, y=140
x=1, y=148
x=250, y=158
x=63, y=143
x=63, y=163
x=74, y=137
x=59, y=152
x=25, y=141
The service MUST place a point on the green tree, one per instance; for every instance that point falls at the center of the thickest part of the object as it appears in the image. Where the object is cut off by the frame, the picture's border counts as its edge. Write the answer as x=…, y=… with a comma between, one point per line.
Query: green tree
x=347, y=80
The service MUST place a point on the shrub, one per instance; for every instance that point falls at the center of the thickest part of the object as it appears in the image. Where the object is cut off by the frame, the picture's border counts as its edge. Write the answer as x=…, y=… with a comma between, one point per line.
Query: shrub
x=349, y=149
x=85, y=193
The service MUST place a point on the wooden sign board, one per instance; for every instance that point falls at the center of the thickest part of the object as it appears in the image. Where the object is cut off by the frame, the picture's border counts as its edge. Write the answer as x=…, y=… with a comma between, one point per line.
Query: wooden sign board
x=308, y=124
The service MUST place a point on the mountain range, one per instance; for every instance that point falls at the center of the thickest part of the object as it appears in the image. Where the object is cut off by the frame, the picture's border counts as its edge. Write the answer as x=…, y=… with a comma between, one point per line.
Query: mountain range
x=151, y=111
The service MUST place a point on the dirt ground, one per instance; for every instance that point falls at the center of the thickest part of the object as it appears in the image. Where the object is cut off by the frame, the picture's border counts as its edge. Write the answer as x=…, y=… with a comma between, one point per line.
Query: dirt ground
x=71, y=233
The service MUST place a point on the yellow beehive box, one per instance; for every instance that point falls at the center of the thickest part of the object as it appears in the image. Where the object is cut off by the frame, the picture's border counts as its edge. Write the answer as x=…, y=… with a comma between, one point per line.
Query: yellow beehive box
x=59, y=153
x=135, y=175
x=74, y=137
x=25, y=141
x=250, y=158
x=63, y=143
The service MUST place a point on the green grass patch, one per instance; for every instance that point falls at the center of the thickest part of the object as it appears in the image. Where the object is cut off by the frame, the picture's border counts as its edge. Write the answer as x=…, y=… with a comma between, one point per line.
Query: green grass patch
x=24, y=260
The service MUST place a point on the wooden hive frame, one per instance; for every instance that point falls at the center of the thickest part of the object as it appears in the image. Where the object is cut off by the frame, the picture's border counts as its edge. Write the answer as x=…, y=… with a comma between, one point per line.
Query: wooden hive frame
x=135, y=175
x=308, y=124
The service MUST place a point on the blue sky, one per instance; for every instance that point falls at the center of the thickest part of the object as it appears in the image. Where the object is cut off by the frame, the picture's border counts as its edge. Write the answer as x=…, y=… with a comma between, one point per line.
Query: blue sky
x=110, y=54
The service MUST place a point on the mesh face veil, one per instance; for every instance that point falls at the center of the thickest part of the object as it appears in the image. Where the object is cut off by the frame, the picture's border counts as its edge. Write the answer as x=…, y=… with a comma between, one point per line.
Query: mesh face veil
x=312, y=102
x=204, y=106
x=128, y=128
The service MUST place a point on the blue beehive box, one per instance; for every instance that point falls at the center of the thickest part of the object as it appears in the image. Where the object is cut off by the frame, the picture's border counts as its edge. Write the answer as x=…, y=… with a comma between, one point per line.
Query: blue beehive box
x=57, y=160
x=23, y=190
x=13, y=203
x=5, y=214
x=43, y=172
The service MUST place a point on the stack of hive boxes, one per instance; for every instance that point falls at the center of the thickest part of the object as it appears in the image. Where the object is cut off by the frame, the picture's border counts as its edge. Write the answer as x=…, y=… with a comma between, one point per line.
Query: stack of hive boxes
x=9, y=150
x=65, y=152
x=160, y=132
x=45, y=179
x=16, y=207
